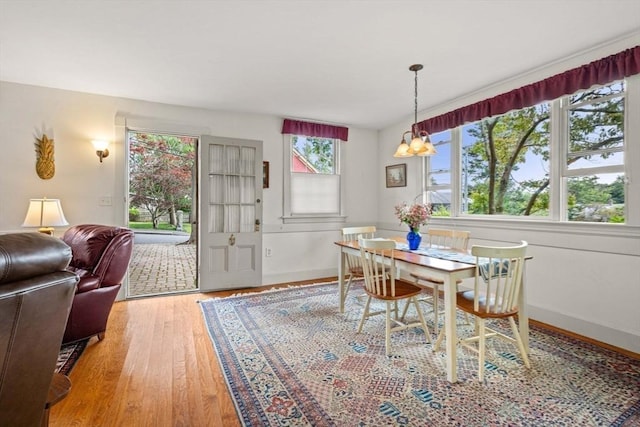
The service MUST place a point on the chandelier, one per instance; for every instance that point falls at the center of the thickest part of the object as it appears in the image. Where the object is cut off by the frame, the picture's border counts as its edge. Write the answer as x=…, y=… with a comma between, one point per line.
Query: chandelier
x=420, y=144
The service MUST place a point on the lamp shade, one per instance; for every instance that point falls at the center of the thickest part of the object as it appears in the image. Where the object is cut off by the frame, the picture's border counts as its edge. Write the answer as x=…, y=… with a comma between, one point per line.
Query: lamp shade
x=100, y=145
x=44, y=213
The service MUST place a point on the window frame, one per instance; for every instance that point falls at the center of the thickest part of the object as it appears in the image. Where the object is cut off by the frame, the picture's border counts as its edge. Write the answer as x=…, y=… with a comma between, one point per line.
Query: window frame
x=558, y=171
x=290, y=217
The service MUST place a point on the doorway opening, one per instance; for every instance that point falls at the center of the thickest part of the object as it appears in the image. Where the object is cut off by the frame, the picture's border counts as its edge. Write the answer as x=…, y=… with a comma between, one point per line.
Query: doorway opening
x=162, y=207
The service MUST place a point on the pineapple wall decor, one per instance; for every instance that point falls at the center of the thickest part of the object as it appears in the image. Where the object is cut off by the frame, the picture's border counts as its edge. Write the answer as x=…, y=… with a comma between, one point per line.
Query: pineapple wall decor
x=45, y=165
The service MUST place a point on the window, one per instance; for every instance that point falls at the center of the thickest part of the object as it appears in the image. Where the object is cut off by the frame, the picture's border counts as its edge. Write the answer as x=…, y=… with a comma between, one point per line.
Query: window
x=312, y=183
x=512, y=163
x=552, y=149
x=505, y=164
x=594, y=166
x=439, y=174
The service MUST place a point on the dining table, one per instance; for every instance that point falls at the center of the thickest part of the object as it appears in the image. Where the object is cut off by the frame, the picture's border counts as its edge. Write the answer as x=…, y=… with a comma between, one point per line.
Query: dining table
x=444, y=264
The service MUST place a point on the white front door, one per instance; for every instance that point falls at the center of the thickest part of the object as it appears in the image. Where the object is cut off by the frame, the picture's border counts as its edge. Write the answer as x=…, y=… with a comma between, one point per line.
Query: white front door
x=230, y=213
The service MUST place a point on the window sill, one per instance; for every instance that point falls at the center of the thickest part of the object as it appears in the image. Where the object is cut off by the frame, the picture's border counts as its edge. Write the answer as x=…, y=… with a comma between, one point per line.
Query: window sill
x=312, y=219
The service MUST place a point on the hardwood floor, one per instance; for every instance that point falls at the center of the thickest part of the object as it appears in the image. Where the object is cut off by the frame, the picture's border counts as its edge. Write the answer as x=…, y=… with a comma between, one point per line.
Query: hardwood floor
x=157, y=367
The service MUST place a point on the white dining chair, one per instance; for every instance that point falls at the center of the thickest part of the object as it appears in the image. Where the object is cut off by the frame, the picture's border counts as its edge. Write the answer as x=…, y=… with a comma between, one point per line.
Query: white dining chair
x=353, y=263
x=497, y=286
x=381, y=284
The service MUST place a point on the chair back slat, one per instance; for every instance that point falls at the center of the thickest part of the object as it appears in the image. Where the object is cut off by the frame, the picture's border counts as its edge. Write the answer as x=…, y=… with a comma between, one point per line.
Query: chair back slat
x=378, y=266
x=452, y=239
x=498, y=278
x=351, y=234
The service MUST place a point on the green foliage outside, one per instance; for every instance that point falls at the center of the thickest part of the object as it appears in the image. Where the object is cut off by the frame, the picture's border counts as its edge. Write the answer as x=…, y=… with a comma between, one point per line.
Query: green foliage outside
x=161, y=174
x=501, y=145
x=318, y=152
x=440, y=210
x=134, y=214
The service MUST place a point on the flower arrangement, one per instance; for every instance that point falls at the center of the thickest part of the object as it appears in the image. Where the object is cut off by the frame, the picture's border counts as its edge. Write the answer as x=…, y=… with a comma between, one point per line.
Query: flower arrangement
x=415, y=215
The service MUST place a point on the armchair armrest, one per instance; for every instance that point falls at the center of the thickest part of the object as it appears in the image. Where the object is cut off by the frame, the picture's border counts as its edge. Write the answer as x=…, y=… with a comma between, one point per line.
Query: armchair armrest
x=88, y=283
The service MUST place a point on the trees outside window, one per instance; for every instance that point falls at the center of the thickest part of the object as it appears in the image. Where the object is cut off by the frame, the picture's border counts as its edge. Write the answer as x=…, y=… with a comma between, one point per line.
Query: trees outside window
x=160, y=174
x=506, y=161
x=594, y=165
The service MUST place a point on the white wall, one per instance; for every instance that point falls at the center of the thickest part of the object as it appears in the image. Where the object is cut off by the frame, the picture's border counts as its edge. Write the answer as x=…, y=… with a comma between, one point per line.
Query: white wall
x=583, y=277
x=300, y=251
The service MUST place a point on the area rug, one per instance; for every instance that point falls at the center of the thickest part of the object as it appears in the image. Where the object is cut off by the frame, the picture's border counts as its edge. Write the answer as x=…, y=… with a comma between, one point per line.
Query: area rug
x=69, y=355
x=291, y=359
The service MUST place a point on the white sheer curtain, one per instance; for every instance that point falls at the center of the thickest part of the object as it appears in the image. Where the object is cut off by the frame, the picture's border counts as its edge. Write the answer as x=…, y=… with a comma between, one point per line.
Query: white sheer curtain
x=232, y=189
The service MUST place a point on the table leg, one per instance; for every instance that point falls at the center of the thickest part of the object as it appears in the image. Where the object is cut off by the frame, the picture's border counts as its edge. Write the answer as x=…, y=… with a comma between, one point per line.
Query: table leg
x=450, y=328
x=523, y=316
x=341, y=267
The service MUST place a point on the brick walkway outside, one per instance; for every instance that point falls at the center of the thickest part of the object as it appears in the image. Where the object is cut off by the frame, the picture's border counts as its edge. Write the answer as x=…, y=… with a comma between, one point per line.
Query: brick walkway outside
x=158, y=268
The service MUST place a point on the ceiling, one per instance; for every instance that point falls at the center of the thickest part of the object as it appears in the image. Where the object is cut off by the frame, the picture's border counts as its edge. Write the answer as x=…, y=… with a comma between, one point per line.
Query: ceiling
x=342, y=61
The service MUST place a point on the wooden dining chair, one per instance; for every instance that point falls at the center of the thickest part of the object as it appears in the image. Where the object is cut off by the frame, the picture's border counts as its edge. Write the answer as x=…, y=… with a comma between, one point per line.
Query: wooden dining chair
x=446, y=239
x=353, y=264
x=497, y=286
x=379, y=270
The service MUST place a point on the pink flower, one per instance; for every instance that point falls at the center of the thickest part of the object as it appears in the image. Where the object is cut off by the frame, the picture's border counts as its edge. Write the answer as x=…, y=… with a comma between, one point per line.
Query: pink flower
x=415, y=215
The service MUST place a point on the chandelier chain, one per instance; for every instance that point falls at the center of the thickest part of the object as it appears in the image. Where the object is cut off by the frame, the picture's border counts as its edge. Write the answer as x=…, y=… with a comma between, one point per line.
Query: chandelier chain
x=415, y=102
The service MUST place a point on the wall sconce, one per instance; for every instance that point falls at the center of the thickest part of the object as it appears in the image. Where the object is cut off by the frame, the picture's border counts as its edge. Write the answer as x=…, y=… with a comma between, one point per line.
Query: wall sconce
x=45, y=214
x=101, y=148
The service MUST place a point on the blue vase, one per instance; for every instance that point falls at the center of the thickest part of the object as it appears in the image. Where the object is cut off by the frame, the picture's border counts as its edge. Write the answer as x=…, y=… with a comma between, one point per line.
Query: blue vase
x=413, y=239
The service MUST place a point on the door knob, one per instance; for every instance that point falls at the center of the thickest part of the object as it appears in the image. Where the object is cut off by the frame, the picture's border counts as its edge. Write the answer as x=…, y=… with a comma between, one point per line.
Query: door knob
x=232, y=240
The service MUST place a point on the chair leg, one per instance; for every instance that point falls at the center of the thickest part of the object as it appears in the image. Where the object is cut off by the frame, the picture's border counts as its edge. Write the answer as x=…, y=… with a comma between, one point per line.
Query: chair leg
x=346, y=288
x=387, y=334
x=466, y=319
x=434, y=301
x=481, y=349
x=365, y=314
x=436, y=347
x=425, y=328
x=404, y=310
x=518, y=338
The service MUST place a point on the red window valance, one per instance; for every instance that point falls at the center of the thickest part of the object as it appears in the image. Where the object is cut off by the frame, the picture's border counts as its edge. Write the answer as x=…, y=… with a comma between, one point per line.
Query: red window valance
x=603, y=71
x=297, y=127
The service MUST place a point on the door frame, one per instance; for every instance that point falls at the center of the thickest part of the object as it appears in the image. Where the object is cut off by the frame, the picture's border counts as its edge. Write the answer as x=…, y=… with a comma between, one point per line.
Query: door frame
x=123, y=124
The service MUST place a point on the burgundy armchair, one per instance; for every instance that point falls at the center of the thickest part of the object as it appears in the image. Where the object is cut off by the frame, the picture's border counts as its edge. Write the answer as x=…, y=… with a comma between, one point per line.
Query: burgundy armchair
x=101, y=256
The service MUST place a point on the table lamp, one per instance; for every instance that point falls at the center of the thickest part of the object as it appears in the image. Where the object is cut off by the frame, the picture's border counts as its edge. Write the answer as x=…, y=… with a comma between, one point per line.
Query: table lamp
x=45, y=214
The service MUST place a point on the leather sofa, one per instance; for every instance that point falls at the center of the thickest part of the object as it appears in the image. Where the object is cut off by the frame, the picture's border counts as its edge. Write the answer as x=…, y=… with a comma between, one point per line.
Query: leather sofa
x=36, y=292
x=101, y=256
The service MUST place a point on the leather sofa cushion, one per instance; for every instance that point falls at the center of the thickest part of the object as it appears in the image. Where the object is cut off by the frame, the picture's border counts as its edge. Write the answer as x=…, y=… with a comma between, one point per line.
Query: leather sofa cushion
x=19, y=259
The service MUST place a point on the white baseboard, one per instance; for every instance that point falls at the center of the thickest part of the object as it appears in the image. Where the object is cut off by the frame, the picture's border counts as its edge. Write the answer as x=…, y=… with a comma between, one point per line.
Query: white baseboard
x=617, y=338
x=278, y=278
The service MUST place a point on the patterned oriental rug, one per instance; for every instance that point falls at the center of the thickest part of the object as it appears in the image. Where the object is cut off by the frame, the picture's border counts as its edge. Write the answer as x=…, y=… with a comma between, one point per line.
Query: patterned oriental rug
x=69, y=355
x=291, y=359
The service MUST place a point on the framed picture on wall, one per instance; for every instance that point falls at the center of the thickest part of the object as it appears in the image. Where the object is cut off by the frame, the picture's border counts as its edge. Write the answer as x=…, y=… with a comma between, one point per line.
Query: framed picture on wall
x=265, y=174
x=397, y=175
